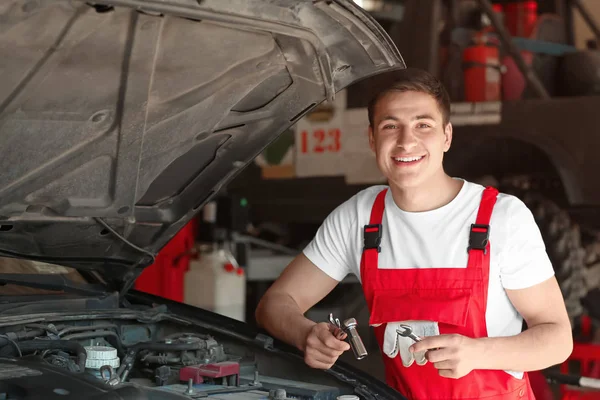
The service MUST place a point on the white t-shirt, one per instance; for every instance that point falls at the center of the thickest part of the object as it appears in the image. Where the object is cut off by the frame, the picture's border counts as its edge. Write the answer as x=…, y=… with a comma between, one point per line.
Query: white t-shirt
x=438, y=239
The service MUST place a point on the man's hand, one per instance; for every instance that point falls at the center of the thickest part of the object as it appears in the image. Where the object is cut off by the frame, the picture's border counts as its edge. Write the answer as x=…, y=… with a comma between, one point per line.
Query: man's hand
x=453, y=355
x=324, y=344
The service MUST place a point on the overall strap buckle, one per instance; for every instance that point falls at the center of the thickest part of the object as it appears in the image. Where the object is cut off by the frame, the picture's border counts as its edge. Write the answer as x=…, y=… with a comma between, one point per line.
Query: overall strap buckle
x=372, y=237
x=479, y=237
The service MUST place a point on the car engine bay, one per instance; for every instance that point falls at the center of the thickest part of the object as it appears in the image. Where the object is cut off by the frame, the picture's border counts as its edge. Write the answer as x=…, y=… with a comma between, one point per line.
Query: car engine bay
x=149, y=354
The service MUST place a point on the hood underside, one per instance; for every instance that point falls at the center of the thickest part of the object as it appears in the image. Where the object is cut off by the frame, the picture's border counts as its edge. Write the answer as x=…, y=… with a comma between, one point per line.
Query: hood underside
x=128, y=116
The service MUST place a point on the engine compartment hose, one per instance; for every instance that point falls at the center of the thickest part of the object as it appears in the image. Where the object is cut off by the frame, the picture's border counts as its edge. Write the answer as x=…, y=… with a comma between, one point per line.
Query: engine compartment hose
x=157, y=346
x=30, y=334
x=34, y=345
x=178, y=335
x=70, y=329
x=18, y=336
x=162, y=360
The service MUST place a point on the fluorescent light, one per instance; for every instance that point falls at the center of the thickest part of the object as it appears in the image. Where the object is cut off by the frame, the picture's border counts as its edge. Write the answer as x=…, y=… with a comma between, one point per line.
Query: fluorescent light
x=371, y=5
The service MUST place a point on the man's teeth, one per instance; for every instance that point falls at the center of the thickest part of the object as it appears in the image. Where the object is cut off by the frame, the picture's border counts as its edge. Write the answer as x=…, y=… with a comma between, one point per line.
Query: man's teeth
x=407, y=159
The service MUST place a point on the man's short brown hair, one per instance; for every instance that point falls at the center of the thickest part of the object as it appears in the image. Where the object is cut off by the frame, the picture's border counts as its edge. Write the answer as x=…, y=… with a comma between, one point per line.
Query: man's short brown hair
x=416, y=80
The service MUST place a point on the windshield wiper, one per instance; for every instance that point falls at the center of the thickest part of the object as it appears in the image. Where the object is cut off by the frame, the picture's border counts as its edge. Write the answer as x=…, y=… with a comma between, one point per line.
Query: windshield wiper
x=56, y=282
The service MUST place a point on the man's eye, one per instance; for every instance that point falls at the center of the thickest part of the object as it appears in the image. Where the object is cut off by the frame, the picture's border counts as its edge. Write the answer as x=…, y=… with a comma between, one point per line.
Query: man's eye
x=389, y=126
x=423, y=126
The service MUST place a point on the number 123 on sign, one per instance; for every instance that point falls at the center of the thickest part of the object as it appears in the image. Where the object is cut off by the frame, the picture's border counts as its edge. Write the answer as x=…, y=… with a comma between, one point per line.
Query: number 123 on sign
x=321, y=141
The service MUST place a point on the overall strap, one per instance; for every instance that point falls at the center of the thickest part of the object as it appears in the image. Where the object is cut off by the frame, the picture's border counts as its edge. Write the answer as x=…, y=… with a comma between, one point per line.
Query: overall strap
x=378, y=208
x=372, y=235
x=479, y=235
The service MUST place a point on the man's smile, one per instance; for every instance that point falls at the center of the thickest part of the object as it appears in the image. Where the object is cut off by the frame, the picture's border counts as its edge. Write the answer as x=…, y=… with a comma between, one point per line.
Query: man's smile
x=406, y=161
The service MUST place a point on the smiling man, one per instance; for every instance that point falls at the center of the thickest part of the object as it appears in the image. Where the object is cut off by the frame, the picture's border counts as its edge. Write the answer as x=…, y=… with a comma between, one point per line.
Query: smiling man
x=450, y=261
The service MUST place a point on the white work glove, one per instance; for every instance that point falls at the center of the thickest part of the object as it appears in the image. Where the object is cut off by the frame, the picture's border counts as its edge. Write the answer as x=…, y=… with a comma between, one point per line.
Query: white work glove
x=394, y=343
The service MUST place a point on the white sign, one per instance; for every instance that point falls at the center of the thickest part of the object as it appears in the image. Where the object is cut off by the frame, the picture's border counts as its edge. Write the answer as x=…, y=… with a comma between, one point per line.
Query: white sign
x=360, y=166
x=319, y=140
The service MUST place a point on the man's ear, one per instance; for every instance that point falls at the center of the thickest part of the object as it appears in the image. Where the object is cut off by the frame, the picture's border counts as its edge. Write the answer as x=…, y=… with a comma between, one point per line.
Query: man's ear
x=448, y=136
x=371, y=138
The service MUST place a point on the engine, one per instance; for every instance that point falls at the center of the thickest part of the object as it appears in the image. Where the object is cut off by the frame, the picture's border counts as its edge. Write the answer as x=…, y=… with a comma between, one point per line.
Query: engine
x=195, y=349
x=125, y=362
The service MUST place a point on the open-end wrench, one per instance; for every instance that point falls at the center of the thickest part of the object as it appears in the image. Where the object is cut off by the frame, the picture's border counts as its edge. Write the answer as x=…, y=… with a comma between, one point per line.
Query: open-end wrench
x=336, y=322
x=406, y=331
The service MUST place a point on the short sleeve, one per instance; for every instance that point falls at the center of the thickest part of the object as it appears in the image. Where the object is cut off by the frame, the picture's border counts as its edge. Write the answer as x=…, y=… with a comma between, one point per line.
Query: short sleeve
x=524, y=261
x=330, y=249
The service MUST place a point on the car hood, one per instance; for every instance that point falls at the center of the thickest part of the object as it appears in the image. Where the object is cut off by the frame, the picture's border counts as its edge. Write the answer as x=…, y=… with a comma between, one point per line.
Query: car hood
x=120, y=119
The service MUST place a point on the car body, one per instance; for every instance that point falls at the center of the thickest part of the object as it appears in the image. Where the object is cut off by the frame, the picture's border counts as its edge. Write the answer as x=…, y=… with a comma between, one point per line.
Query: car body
x=119, y=120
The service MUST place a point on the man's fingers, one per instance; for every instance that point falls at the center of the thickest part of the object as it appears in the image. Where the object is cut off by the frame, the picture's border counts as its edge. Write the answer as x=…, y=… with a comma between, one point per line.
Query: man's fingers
x=318, y=356
x=438, y=355
x=330, y=341
x=451, y=373
x=315, y=358
x=431, y=342
x=325, y=338
x=318, y=364
x=443, y=365
x=446, y=373
x=338, y=333
x=322, y=346
x=336, y=344
x=315, y=362
x=329, y=352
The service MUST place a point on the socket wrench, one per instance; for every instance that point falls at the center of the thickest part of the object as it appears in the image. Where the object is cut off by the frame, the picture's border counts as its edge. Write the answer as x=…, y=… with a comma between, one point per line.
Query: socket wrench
x=349, y=327
x=356, y=342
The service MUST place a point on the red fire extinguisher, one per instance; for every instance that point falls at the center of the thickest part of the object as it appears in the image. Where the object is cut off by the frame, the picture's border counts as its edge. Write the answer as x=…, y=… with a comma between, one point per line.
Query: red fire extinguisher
x=482, y=71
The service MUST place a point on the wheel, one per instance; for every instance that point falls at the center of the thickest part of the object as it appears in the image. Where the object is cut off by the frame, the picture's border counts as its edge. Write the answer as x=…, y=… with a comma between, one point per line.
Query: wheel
x=572, y=258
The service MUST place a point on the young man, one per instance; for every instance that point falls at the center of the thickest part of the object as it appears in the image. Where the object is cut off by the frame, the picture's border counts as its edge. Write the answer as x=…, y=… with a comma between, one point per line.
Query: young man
x=461, y=264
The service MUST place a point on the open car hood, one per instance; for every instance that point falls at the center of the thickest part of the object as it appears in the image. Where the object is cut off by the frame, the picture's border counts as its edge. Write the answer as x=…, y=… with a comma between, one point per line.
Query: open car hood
x=126, y=116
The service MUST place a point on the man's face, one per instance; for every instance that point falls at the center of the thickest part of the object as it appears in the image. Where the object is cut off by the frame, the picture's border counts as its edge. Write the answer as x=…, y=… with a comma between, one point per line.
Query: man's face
x=409, y=138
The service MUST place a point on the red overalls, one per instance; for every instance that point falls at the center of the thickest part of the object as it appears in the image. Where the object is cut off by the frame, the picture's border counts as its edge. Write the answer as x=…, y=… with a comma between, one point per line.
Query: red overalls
x=454, y=297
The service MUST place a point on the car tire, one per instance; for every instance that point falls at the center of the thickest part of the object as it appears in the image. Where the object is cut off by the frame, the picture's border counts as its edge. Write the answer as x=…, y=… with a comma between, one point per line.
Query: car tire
x=571, y=258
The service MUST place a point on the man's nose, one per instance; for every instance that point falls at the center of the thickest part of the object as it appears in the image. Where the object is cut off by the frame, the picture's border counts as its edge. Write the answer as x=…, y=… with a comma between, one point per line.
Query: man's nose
x=406, y=139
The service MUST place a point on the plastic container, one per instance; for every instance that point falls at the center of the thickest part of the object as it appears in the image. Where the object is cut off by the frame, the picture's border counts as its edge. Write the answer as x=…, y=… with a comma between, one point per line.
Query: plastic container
x=98, y=357
x=216, y=283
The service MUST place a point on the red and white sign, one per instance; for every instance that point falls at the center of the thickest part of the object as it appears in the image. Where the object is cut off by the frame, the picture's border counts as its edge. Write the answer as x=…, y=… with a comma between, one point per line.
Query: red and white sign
x=319, y=144
x=337, y=146
x=320, y=140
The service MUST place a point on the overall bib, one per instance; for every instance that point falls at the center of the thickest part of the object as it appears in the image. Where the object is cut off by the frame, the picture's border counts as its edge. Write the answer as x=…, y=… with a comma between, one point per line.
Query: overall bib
x=454, y=297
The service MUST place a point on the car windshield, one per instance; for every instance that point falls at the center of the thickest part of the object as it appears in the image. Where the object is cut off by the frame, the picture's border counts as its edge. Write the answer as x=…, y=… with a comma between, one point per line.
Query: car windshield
x=28, y=267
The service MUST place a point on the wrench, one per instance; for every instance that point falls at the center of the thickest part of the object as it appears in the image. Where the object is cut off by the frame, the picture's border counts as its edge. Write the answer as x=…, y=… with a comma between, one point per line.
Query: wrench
x=407, y=332
x=336, y=322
